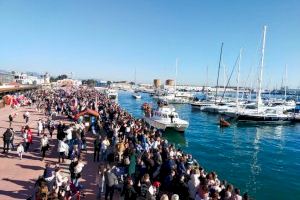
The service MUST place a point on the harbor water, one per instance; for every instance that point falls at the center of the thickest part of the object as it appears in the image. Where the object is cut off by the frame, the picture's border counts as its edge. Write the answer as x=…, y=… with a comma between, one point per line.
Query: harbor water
x=263, y=160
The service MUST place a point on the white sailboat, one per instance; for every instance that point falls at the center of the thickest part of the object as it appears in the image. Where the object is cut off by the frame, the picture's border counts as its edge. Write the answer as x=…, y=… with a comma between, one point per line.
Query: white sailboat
x=135, y=94
x=263, y=113
x=215, y=107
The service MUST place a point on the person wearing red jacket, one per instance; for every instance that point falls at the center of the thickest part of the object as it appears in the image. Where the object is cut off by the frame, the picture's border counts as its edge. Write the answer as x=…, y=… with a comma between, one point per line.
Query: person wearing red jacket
x=27, y=135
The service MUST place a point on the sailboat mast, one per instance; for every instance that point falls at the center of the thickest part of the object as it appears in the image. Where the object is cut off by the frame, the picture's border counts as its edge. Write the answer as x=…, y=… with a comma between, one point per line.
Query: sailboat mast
x=175, y=82
x=220, y=61
x=258, y=98
x=238, y=78
x=206, y=81
x=285, y=82
x=135, y=76
x=224, y=76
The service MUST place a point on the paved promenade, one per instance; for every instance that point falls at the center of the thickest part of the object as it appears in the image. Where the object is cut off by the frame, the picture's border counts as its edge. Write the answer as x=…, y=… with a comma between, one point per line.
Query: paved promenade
x=17, y=177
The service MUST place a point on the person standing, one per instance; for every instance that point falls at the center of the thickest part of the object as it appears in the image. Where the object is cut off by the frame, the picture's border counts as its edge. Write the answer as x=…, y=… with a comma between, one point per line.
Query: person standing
x=51, y=127
x=10, y=118
x=104, y=146
x=129, y=192
x=44, y=145
x=62, y=149
x=49, y=176
x=111, y=181
x=120, y=147
x=77, y=172
x=6, y=139
x=39, y=127
x=20, y=151
x=12, y=139
x=60, y=131
x=97, y=145
x=26, y=117
x=27, y=136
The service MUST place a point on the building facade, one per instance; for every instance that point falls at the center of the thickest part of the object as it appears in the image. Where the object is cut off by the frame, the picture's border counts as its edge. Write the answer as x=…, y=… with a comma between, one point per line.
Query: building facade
x=6, y=77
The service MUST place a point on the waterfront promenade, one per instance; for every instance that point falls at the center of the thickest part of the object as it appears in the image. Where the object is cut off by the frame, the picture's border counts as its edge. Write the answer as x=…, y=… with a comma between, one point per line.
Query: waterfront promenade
x=17, y=177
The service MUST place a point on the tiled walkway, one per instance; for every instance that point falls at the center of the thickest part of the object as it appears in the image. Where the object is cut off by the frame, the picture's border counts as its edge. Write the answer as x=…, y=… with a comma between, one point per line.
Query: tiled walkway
x=17, y=177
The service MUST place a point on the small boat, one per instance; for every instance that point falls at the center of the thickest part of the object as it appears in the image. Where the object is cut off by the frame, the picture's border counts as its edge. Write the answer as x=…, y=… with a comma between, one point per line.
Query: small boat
x=137, y=95
x=224, y=123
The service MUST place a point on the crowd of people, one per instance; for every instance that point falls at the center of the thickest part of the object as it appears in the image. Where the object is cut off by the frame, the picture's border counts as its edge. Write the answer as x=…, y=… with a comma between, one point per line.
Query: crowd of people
x=134, y=160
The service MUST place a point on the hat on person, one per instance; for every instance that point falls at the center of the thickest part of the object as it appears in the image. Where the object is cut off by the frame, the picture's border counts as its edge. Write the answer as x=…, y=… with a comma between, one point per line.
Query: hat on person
x=156, y=184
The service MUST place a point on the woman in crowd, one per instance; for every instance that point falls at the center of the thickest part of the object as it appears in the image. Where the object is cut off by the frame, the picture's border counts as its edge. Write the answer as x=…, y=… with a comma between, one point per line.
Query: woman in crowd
x=27, y=136
x=44, y=145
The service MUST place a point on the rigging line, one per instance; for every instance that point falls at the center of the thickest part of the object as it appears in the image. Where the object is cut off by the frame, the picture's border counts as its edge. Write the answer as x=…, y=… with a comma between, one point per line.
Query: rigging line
x=236, y=62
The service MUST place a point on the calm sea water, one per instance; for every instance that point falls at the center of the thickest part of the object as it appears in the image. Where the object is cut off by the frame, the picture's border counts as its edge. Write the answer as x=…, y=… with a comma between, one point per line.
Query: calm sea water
x=261, y=160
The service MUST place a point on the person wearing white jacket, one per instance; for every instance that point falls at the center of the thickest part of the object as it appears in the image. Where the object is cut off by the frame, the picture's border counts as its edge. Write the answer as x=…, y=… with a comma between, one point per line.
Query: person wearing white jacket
x=193, y=184
x=69, y=134
x=40, y=127
x=44, y=145
x=62, y=149
x=20, y=150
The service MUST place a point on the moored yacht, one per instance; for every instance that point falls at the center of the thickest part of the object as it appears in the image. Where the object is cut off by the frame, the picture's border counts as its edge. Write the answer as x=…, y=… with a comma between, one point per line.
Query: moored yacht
x=265, y=116
x=112, y=94
x=165, y=117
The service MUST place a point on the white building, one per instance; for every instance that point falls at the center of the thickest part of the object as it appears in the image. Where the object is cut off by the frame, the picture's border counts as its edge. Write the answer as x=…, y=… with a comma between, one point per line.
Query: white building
x=26, y=79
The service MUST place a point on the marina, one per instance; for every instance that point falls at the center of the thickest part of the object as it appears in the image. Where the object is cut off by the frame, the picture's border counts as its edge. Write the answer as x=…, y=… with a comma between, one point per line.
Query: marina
x=254, y=157
x=150, y=100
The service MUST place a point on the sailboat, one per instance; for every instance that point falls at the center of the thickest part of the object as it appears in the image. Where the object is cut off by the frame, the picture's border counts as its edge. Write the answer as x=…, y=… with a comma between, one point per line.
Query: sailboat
x=263, y=113
x=233, y=110
x=207, y=100
x=135, y=94
x=214, y=107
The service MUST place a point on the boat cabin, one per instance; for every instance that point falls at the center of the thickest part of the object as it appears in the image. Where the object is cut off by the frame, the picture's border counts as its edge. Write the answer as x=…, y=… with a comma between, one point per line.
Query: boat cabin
x=165, y=114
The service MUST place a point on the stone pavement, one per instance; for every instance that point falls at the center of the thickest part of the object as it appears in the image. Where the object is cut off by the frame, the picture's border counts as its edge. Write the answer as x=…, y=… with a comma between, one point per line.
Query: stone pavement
x=17, y=177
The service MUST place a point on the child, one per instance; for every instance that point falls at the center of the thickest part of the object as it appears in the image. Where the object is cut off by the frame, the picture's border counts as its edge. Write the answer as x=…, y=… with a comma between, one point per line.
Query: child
x=20, y=150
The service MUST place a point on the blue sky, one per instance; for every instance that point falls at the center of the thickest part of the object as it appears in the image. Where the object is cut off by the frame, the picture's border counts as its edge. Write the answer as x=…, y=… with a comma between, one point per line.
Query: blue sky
x=108, y=39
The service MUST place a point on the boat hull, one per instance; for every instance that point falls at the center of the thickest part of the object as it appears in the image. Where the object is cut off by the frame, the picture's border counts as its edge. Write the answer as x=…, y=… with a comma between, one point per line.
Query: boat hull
x=264, y=119
x=162, y=126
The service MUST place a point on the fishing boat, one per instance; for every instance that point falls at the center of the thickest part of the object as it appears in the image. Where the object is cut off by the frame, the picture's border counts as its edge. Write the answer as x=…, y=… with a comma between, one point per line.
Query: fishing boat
x=112, y=94
x=165, y=117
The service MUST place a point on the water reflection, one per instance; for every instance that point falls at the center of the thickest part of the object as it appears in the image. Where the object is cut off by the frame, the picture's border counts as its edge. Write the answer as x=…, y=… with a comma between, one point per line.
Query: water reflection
x=176, y=138
x=254, y=164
